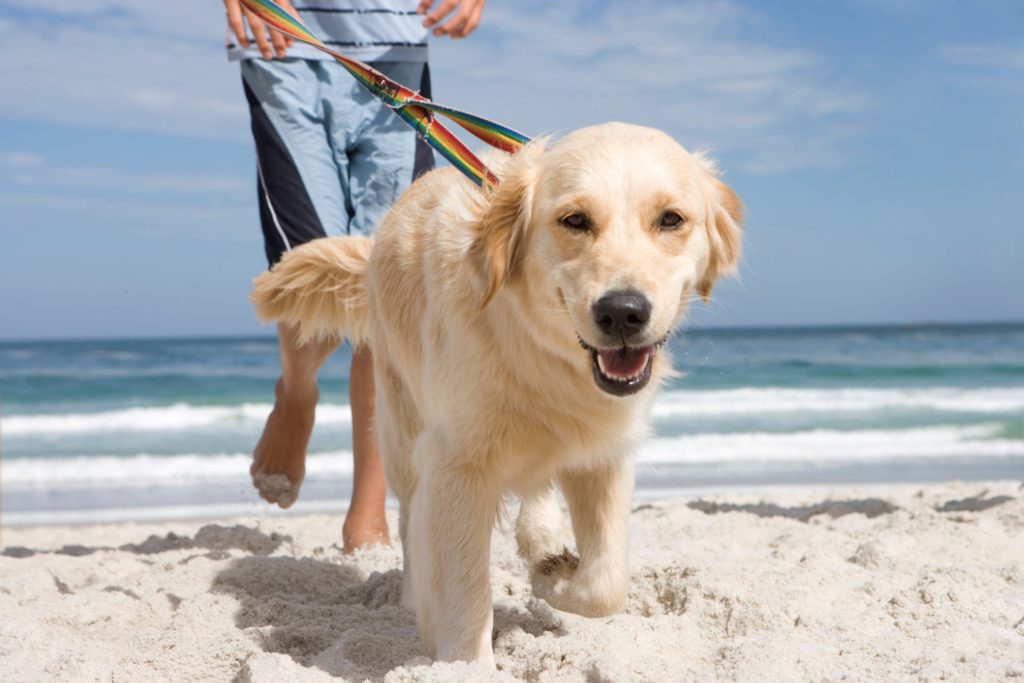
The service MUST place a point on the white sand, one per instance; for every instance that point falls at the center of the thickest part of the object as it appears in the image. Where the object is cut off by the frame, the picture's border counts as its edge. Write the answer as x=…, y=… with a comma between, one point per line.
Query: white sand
x=909, y=593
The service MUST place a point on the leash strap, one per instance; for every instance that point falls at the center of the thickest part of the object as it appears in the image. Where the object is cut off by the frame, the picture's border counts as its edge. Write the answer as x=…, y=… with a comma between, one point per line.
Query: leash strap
x=416, y=110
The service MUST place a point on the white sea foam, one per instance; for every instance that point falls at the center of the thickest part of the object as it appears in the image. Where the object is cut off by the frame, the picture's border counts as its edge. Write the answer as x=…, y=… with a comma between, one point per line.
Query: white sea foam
x=754, y=449
x=669, y=405
x=681, y=403
x=153, y=470
x=178, y=416
x=826, y=445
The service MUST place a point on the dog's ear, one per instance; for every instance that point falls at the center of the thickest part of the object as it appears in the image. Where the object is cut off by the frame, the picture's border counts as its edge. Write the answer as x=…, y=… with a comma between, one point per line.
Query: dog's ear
x=499, y=244
x=725, y=216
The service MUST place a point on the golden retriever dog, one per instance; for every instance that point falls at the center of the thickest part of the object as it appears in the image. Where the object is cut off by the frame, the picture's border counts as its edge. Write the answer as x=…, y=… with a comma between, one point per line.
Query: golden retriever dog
x=516, y=337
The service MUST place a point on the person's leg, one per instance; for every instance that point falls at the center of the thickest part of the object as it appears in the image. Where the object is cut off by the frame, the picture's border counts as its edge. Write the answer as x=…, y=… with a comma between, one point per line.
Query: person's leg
x=379, y=167
x=300, y=200
x=279, y=460
x=365, y=522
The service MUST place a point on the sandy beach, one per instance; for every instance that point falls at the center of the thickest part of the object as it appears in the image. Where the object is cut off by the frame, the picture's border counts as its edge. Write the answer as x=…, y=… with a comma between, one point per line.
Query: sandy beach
x=872, y=583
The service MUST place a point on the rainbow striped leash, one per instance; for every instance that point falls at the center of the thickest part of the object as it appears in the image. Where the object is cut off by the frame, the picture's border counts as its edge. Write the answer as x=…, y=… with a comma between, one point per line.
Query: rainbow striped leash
x=417, y=111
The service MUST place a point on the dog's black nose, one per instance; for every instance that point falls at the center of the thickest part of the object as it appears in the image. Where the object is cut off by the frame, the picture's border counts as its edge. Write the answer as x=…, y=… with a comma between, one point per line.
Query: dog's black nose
x=622, y=313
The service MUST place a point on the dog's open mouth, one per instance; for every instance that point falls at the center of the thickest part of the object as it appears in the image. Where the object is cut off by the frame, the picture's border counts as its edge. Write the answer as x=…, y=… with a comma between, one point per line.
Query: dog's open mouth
x=622, y=371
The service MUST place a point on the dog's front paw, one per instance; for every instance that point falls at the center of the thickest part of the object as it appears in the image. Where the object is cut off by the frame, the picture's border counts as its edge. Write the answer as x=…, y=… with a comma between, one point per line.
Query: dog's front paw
x=558, y=580
x=564, y=563
x=551, y=576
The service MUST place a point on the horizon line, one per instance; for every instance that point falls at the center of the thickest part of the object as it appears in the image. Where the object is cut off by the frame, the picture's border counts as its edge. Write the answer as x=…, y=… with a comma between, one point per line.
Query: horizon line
x=888, y=326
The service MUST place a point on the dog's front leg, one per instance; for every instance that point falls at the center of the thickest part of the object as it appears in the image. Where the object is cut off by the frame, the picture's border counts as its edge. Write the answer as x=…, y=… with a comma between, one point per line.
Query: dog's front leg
x=451, y=520
x=539, y=526
x=597, y=584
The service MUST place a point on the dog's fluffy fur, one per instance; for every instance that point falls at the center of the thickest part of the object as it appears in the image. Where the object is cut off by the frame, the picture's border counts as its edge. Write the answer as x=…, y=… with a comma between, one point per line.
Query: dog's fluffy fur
x=476, y=306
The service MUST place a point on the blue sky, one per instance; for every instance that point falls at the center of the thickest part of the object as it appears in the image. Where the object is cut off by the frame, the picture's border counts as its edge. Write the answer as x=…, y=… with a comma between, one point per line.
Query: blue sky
x=877, y=144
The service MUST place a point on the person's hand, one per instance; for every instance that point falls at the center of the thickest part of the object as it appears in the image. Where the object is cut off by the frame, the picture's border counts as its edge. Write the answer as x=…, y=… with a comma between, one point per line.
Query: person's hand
x=271, y=43
x=459, y=25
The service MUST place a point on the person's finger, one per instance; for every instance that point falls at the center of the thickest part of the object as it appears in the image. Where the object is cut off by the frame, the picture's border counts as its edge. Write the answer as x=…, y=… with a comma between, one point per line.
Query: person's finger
x=439, y=13
x=235, y=22
x=473, y=21
x=454, y=26
x=259, y=32
x=279, y=41
x=424, y=6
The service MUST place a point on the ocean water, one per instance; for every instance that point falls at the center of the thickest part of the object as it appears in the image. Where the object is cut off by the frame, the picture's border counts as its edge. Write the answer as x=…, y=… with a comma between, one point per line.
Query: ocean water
x=96, y=430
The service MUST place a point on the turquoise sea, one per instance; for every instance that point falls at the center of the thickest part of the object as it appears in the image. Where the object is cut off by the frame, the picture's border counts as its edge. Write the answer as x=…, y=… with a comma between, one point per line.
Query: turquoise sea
x=137, y=429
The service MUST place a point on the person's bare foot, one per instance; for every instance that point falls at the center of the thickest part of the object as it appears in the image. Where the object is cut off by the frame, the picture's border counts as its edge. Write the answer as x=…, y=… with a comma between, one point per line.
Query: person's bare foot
x=364, y=528
x=279, y=459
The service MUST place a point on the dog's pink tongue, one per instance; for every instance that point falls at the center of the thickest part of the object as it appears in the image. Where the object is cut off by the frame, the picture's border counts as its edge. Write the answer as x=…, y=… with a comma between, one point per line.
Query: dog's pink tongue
x=623, y=363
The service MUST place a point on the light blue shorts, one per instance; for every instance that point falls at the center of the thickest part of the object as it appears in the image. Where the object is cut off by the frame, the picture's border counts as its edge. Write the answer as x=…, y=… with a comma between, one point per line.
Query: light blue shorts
x=331, y=158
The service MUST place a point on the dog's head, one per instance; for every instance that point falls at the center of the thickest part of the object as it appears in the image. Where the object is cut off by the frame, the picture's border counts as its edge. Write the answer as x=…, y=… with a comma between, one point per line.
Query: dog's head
x=603, y=239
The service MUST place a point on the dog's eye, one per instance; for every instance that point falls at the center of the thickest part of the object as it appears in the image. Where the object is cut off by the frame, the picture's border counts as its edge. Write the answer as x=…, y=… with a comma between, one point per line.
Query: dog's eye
x=670, y=220
x=576, y=221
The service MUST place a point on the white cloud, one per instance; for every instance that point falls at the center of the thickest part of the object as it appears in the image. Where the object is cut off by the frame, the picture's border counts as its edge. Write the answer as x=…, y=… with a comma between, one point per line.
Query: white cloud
x=1000, y=57
x=156, y=67
x=32, y=172
x=689, y=68
x=136, y=216
x=20, y=160
x=989, y=67
x=695, y=69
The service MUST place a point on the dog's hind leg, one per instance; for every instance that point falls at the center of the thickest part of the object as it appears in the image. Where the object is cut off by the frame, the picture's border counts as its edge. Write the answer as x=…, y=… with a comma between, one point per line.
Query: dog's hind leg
x=539, y=532
x=596, y=585
x=451, y=519
x=396, y=458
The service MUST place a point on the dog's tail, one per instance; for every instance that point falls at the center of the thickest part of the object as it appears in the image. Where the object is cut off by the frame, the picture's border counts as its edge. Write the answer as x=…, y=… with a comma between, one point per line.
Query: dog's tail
x=320, y=289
